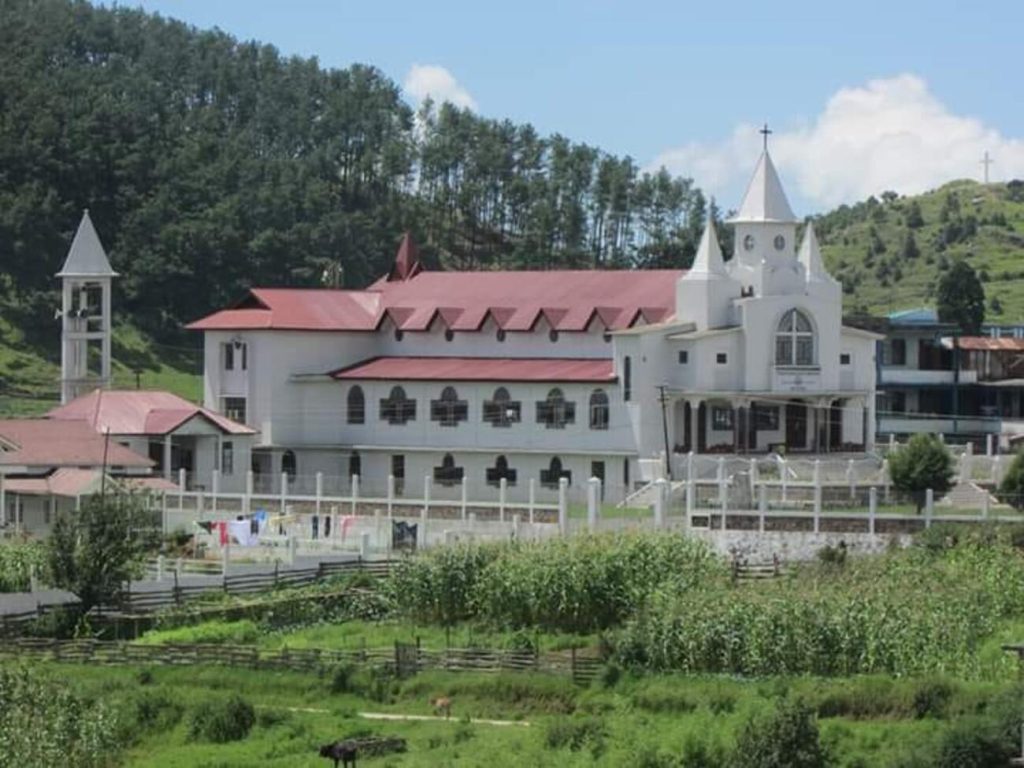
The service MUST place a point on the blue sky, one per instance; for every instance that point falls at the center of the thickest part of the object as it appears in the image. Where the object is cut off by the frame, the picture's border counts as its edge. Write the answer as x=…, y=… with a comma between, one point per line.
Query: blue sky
x=863, y=97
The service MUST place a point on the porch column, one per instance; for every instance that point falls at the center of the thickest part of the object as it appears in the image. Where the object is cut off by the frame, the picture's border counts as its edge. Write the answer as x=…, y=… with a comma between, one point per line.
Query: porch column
x=167, y=457
x=694, y=416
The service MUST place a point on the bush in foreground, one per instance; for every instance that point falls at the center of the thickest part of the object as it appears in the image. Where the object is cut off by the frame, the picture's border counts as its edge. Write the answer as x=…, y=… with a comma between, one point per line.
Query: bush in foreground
x=787, y=738
x=221, y=721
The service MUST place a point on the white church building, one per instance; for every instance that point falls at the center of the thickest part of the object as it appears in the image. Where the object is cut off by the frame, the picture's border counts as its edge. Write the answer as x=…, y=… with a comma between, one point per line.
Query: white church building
x=519, y=375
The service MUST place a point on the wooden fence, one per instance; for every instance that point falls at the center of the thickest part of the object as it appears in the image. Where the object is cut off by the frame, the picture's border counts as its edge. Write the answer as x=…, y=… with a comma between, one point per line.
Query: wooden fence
x=401, y=660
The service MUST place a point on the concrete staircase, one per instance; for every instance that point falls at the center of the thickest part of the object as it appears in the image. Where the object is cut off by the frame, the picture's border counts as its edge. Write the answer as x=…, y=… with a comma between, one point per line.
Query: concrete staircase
x=969, y=495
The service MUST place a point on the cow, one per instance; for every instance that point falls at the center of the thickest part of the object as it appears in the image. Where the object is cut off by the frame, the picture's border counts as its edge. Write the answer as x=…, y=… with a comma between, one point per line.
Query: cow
x=442, y=704
x=341, y=752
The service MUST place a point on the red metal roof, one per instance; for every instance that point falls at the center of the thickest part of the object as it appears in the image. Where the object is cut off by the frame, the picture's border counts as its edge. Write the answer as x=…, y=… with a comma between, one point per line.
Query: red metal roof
x=557, y=369
x=140, y=412
x=516, y=300
x=71, y=443
x=990, y=343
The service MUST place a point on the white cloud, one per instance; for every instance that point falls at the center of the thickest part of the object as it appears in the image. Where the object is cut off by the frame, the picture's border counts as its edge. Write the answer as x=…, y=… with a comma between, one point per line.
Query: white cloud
x=438, y=83
x=890, y=133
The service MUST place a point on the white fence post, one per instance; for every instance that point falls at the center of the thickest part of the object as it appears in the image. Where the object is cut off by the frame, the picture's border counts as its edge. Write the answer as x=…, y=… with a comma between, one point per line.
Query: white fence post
x=659, y=503
x=563, y=506
x=464, y=496
x=159, y=567
x=250, y=482
x=929, y=507
x=355, y=494
x=886, y=482
x=784, y=476
x=988, y=445
x=753, y=478
x=391, y=495
x=502, y=497
x=872, y=508
x=319, y=491
x=724, y=502
x=364, y=544
x=762, y=505
x=720, y=476
x=517, y=521
x=532, y=498
x=817, y=507
x=215, y=484
x=284, y=491
x=426, y=494
x=181, y=490
x=593, y=494
x=851, y=479
x=165, y=521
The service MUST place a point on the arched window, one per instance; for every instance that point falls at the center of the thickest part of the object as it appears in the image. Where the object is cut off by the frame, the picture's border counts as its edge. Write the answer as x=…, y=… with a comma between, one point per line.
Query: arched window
x=794, y=340
x=549, y=477
x=448, y=473
x=598, y=409
x=356, y=405
x=355, y=464
x=396, y=408
x=501, y=410
x=500, y=471
x=555, y=412
x=449, y=410
x=288, y=464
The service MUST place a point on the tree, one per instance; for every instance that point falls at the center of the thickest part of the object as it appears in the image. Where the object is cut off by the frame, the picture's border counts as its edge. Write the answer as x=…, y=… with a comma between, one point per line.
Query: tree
x=1011, y=490
x=910, y=249
x=961, y=298
x=914, y=217
x=92, y=552
x=787, y=738
x=922, y=463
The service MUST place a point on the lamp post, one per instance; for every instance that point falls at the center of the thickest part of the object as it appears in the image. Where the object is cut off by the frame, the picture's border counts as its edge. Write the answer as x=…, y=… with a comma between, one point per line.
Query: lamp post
x=663, y=397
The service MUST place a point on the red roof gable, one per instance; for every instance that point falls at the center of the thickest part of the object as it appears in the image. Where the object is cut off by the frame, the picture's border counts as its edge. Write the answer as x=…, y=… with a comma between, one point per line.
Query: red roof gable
x=140, y=412
x=568, y=299
x=73, y=443
x=554, y=369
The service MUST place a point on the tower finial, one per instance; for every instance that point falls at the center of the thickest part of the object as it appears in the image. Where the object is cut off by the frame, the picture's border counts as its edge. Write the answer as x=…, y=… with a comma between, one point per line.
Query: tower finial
x=765, y=132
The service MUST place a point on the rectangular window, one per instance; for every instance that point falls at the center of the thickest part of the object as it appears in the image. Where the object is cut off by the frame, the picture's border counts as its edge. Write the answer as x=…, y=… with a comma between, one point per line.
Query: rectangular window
x=721, y=418
x=766, y=417
x=398, y=472
x=898, y=402
x=234, y=409
x=804, y=350
x=227, y=458
x=684, y=357
x=844, y=358
x=229, y=357
x=721, y=358
x=627, y=378
x=555, y=413
x=898, y=352
x=502, y=413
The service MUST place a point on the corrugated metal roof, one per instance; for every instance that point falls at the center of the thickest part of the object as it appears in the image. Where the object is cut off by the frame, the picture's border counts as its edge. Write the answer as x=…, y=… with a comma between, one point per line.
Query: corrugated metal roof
x=567, y=299
x=480, y=369
x=987, y=343
x=140, y=412
x=51, y=443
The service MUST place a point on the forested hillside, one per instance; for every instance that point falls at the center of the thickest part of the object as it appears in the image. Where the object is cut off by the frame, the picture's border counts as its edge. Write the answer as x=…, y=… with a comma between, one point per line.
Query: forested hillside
x=209, y=165
x=890, y=252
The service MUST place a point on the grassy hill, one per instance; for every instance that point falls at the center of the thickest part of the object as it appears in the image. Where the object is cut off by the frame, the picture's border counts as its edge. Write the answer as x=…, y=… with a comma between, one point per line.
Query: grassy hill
x=30, y=375
x=866, y=246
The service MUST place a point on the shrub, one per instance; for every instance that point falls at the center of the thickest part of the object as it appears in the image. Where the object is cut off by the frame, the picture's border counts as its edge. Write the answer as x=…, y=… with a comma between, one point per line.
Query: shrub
x=971, y=743
x=17, y=561
x=931, y=698
x=576, y=734
x=1011, y=490
x=923, y=463
x=221, y=721
x=787, y=738
x=833, y=556
x=156, y=711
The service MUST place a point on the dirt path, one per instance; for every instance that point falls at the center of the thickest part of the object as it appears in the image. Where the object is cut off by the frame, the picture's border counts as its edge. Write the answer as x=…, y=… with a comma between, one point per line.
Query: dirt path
x=474, y=721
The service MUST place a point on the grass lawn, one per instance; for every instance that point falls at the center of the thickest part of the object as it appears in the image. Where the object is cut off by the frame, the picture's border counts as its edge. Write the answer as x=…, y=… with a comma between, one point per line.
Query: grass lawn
x=630, y=723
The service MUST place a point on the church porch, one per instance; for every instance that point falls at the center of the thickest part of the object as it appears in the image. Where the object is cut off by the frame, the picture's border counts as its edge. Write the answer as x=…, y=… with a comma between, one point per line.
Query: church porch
x=743, y=423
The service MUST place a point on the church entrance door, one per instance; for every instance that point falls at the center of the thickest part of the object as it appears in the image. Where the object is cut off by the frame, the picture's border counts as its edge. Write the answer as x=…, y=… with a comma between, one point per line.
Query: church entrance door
x=796, y=426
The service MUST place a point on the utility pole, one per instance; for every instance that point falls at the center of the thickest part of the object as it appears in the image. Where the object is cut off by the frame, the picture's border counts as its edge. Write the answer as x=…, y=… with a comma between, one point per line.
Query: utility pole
x=664, y=426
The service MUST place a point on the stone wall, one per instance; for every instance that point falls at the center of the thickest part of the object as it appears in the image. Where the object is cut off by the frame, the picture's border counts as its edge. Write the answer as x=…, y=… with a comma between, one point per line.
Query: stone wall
x=755, y=547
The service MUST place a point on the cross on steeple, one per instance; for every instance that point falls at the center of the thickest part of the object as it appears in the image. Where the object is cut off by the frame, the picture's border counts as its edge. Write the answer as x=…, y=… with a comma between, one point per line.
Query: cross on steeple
x=765, y=132
x=986, y=161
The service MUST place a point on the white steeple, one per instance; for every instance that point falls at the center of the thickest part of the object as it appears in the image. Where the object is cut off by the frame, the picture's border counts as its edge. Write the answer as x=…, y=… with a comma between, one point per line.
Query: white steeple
x=708, y=263
x=85, y=314
x=86, y=258
x=810, y=257
x=765, y=200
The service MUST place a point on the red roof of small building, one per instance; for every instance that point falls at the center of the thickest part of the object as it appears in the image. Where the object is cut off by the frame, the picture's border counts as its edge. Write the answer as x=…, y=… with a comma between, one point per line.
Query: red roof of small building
x=412, y=298
x=558, y=369
x=140, y=412
x=989, y=343
x=71, y=443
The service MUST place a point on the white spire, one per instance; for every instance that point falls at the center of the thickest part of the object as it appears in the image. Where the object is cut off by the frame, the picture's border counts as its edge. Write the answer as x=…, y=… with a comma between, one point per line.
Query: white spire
x=810, y=257
x=86, y=257
x=765, y=200
x=708, y=262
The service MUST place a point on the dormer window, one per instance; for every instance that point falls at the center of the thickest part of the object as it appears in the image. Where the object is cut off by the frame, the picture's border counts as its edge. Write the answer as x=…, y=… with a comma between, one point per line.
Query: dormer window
x=794, y=340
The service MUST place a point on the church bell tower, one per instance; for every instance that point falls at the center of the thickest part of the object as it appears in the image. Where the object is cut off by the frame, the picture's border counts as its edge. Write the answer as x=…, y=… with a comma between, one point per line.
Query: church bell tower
x=85, y=314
